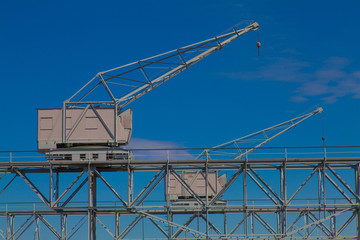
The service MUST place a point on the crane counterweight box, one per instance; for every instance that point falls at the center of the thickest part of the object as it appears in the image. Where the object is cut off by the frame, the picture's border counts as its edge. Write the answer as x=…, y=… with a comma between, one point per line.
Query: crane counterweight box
x=82, y=127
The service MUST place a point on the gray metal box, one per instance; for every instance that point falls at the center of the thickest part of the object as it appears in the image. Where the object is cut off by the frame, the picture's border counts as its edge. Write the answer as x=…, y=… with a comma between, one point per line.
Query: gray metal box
x=99, y=126
x=196, y=180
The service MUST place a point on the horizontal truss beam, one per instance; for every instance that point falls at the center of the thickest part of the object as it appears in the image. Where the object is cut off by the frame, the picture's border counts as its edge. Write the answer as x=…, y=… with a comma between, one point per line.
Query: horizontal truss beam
x=322, y=213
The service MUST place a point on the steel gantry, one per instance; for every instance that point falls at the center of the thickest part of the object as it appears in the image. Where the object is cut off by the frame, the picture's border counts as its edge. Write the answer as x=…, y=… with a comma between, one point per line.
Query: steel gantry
x=304, y=193
x=87, y=187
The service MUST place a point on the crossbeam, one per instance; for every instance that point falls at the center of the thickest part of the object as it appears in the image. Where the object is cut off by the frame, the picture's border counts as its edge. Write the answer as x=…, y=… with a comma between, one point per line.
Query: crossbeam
x=241, y=213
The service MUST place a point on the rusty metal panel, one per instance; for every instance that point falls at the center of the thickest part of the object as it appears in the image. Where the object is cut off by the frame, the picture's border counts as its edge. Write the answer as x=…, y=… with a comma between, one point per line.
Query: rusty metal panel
x=82, y=127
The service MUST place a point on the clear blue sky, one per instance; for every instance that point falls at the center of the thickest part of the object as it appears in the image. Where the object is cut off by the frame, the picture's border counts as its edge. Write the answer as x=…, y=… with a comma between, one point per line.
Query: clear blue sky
x=309, y=56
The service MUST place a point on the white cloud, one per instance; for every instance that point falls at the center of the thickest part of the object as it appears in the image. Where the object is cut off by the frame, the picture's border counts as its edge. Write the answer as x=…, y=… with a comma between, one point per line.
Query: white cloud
x=140, y=143
x=330, y=81
x=298, y=99
x=282, y=69
x=145, y=149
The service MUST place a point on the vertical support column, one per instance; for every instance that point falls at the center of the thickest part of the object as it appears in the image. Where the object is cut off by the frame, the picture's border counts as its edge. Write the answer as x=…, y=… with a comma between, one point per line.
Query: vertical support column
x=278, y=221
x=357, y=186
x=283, y=196
x=333, y=224
x=117, y=225
x=36, y=228
x=130, y=183
x=167, y=196
x=51, y=186
x=170, y=219
x=10, y=227
x=252, y=225
x=56, y=187
x=319, y=191
x=63, y=223
x=198, y=221
x=94, y=201
x=323, y=184
x=91, y=204
x=306, y=222
x=207, y=194
x=281, y=211
x=245, y=198
x=225, y=224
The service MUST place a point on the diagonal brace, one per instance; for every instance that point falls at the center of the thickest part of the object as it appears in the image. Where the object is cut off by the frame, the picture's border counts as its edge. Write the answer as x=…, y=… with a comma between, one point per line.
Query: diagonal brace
x=264, y=223
x=33, y=187
x=211, y=225
x=321, y=225
x=302, y=185
x=159, y=227
x=262, y=188
x=227, y=185
x=146, y=187
x=105, y=227
x=180, y=230
x=150, y=189
x=239, y=224
x=343, y=182
x=111, y=188
x=7, y=185
x=338, y=188
x=187, y=187
x=68, y=188
x=317, y=222
x=49, y=226
x=75, y=192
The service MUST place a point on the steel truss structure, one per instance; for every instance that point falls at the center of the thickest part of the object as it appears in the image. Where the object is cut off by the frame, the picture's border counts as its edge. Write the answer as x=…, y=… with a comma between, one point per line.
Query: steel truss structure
x=125, y=197
x=120, y=86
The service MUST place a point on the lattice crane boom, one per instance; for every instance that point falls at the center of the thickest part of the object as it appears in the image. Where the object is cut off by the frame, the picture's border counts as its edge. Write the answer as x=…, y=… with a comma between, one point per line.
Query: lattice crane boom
x=140, y=77
x=251, y=142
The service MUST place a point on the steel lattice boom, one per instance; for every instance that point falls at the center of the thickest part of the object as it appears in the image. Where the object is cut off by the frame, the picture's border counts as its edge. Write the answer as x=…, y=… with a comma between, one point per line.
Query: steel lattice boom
x=249, y=143
x=129, y=82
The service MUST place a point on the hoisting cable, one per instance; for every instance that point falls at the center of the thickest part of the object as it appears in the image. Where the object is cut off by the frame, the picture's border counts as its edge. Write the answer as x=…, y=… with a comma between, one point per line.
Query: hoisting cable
x=324, y=163
x=323, y=131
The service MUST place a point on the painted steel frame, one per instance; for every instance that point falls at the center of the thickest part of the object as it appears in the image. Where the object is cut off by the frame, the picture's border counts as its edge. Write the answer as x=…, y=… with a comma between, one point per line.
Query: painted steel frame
x=295, y=219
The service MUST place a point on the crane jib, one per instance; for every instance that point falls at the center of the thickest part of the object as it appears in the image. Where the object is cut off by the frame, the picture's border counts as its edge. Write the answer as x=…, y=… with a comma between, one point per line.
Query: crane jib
x=97, y=114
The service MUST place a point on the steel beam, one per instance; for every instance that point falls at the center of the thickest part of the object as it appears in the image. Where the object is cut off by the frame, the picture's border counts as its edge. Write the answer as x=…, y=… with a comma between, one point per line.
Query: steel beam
x=276, y=204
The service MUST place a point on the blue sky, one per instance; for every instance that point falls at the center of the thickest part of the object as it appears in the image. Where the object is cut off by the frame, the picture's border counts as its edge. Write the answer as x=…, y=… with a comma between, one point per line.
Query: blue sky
x=309, y=56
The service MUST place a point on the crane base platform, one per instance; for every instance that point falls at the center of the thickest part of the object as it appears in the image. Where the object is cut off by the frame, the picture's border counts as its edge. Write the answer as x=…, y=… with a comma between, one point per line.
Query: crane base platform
x=88, y=154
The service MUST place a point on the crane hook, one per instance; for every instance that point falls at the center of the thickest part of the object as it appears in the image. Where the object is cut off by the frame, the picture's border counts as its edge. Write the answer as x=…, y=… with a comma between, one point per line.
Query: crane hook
x=258, y=44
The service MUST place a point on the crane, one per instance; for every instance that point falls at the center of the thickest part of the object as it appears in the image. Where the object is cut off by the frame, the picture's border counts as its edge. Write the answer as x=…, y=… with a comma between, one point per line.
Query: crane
x=178, y=188
x=98, y=113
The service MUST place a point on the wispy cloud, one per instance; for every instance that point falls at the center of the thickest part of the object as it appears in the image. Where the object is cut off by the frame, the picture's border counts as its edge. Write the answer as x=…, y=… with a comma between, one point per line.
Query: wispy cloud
x=281, y=69
x=146, y=149
x=329, y=81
